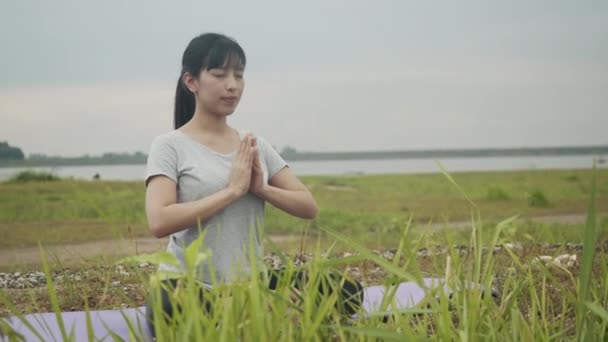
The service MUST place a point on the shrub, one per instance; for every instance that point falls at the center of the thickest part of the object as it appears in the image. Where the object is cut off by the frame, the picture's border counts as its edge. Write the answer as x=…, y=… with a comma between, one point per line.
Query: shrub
x=496, y=193
x=34, y=176
x=537, y=199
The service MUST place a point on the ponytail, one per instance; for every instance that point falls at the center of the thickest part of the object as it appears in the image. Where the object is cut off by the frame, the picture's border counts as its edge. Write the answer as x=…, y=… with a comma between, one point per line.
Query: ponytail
x=184, y=104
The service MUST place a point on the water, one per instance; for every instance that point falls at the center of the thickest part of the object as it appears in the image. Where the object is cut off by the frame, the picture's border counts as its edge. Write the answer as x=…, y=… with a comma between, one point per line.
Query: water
x=342, y=167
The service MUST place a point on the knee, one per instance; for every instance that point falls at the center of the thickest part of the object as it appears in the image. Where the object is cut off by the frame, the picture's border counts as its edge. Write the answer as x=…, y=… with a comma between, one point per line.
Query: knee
x=350, y=296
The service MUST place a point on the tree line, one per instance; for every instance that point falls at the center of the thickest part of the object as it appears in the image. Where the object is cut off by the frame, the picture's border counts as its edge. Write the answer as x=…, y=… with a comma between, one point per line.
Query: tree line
x=14, y=156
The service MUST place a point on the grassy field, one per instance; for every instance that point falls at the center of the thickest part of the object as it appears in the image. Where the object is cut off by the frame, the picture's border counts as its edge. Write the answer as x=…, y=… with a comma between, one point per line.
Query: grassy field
x=67, y=211
x=540, y=300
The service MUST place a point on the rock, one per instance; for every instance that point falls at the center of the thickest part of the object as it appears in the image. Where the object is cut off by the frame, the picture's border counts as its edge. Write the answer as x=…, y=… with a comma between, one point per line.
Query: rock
x=575, y=246
x=388, y=255
x=16, y=283
x=31, y=282
x=513, y=246
x=564, y=260
x=422, y=252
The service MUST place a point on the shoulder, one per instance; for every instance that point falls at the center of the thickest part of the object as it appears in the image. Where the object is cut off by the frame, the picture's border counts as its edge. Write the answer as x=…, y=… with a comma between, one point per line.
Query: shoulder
x=264, y=144
x=165, y=139
x=165, y=144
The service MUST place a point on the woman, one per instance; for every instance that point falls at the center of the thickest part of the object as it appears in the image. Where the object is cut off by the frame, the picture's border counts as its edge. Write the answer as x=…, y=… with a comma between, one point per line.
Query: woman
x=207, y=172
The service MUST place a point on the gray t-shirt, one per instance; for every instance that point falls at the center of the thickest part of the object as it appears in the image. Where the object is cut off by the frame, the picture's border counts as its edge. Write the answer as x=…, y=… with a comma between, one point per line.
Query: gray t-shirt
x=199, y=172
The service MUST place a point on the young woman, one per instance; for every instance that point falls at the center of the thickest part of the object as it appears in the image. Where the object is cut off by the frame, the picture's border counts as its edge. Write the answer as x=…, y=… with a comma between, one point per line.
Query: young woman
x=210, y=176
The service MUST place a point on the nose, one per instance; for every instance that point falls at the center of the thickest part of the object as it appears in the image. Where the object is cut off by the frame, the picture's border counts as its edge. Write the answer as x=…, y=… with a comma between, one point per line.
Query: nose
x=231, y=82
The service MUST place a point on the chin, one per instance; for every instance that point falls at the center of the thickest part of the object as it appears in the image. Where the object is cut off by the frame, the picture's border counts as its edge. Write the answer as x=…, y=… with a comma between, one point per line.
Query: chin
x=224, y=112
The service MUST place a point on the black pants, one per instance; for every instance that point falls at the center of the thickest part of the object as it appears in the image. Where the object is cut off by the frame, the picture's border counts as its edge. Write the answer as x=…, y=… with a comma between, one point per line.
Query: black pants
x=349, y=301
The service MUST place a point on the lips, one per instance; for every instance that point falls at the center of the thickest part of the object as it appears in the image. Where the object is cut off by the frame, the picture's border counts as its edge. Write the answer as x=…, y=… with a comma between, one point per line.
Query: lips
x=228, y=98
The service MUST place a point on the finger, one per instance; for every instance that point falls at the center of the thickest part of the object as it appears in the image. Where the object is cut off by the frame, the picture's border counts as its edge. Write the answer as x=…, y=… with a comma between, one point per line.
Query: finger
x=247, y=148
x=252, y=155
x=242, y=146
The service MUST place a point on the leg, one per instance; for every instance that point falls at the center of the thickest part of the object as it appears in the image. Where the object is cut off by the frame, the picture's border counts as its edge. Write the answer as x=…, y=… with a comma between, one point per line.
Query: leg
x=350, y=295
x=167, y=300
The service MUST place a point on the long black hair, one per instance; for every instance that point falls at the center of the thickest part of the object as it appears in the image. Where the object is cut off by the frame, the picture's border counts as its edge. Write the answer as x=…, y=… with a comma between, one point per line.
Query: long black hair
x=207, y=51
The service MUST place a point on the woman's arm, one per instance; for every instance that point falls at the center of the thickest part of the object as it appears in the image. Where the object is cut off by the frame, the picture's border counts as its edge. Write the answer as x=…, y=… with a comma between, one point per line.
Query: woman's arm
x=166, y=217
x=285, y=191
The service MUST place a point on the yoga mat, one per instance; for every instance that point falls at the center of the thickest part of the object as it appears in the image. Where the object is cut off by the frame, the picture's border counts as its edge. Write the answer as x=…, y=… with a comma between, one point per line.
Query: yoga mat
x=407, y=296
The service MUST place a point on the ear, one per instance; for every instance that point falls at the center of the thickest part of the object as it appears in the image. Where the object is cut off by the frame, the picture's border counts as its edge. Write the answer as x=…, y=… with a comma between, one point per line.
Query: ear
x=191, y=82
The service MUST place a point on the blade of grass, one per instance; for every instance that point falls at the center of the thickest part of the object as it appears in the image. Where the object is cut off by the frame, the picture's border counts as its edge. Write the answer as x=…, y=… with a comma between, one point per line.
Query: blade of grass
x=586, y=262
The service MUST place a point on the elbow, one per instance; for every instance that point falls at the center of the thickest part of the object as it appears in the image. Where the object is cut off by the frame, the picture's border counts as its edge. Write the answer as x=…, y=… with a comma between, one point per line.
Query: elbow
x=312, y=212
x=158, y=233
x=157, y=229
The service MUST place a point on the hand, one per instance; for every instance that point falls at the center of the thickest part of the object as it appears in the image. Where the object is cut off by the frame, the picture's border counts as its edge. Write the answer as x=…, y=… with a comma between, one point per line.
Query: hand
x=240, y=175
x=257, y=184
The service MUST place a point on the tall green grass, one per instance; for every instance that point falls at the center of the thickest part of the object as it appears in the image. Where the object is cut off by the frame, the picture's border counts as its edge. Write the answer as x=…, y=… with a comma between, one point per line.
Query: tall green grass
x=537, y=302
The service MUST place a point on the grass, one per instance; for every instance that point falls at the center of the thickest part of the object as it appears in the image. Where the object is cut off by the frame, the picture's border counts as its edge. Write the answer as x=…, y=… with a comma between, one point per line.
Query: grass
x=71, y=210
x=538, y=301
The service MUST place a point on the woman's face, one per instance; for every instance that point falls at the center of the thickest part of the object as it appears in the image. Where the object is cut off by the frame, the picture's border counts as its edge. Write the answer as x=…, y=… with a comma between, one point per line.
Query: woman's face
x=219, y=90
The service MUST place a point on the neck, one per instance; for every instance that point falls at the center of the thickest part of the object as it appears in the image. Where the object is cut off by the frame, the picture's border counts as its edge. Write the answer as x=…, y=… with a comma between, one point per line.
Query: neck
x=209, y=123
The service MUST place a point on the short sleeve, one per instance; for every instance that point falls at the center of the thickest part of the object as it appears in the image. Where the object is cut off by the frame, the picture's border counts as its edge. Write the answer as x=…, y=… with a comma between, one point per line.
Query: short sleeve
x=162, y=159
x=274, y=161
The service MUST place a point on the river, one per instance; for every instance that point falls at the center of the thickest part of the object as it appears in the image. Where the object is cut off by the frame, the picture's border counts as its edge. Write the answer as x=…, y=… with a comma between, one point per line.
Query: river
x=348, y=167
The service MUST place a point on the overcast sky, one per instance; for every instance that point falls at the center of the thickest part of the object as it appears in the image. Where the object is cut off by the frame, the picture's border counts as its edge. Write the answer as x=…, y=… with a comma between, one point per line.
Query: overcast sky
x=91, y=77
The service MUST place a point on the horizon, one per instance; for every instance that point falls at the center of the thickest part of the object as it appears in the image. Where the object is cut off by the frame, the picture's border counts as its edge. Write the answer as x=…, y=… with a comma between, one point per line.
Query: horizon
x=513, y=148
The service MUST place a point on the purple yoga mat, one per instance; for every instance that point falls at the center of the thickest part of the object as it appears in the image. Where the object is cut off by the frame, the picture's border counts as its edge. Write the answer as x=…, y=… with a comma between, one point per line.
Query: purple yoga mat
x=114, y=320
x=407, y=296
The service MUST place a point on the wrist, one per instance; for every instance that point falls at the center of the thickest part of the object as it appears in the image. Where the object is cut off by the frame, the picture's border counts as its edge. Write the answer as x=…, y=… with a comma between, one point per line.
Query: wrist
x=233, y=192
x=262, y=191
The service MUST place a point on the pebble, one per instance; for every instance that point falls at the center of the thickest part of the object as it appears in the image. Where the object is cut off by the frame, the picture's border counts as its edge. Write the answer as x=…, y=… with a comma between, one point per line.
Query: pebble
x=564, y=260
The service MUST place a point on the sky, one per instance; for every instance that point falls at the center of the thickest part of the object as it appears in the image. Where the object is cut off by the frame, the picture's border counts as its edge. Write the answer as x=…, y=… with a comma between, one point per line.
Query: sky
x=90, y=77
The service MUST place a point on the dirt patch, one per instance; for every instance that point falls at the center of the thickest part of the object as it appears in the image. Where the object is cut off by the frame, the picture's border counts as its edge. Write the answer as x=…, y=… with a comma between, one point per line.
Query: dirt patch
x=340, y=188
x=98, y=248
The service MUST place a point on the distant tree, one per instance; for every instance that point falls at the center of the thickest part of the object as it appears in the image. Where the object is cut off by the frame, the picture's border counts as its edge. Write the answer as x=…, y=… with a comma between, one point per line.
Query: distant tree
x=8, y=152
x=288, y=152
x=37, y=156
